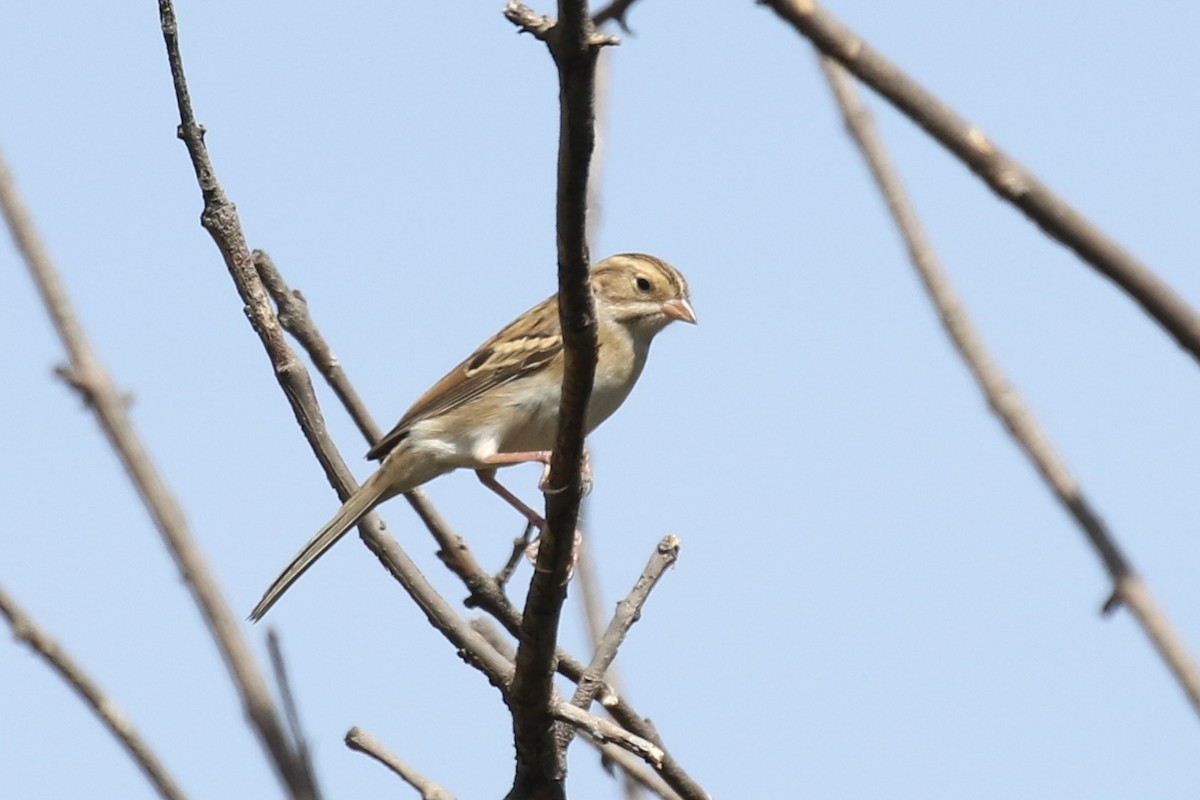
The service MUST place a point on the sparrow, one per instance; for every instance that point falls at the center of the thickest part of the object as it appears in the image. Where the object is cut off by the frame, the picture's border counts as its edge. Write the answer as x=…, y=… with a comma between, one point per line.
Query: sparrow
x=500, y=406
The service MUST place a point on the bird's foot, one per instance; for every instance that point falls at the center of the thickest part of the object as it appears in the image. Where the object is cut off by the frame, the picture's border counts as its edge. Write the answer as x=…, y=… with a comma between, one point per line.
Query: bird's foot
x=531, y=551
x=585, y=477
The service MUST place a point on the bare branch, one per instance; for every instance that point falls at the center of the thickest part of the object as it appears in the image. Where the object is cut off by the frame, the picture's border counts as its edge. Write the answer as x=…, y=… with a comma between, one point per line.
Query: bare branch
x=542, y=27
x=605, y=642
x=292, y=310
x=599, y=729
x=574, y=45
x=87, y=375
x=487, y=628
x=528, y=21
x=294, y=317
x=1003, y=399
x=220, y=219
x=633, y=770
x=520, y=547
x=1007, y=178
x=628, y=612
x=592, y=608
x=363, y=742
x=26, y=630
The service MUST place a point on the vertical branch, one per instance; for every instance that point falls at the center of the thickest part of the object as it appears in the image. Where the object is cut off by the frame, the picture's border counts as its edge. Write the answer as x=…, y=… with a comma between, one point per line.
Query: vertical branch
x=541, y=766
x=1005, y=402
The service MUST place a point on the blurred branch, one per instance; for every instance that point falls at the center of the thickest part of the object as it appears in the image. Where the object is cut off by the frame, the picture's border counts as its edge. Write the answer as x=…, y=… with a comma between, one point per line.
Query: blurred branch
x=291, y=712
x=1005, y=402
x=363, y=742
x=615, y=12
x=1007, y=178
x=26, y=630
x=87, y=376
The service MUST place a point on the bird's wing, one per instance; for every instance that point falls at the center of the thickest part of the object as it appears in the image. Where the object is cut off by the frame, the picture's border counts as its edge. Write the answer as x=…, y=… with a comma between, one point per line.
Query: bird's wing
x=523, y=347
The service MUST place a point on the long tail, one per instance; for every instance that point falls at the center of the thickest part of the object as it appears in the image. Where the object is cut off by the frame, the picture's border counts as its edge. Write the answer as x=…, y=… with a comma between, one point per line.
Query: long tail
x=370, y=494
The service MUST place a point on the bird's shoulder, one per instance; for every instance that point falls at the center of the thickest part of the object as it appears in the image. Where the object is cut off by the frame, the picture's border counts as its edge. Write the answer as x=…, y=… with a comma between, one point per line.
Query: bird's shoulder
x=525, y=346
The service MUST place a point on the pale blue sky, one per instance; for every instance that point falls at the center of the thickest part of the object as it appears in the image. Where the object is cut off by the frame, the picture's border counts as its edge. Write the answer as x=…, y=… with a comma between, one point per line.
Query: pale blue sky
x=876, y=597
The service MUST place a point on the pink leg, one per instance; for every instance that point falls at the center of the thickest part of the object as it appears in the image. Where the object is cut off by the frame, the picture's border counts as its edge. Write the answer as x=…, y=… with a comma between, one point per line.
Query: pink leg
x=488, y=478
x=507, y=459
x=543, y=457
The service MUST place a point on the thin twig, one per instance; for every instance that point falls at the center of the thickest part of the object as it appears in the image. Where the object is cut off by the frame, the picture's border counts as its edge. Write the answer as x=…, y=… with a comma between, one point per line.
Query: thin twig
x=592, y=608
x=605, y=641
x=1008, y=178
x=88, y=376
x=628, y=612
x=363, y=742
x=605, y=731
x=290, y=710
x=26, y=630
x=520, y=548
x=294, y=317
x=1003, y=399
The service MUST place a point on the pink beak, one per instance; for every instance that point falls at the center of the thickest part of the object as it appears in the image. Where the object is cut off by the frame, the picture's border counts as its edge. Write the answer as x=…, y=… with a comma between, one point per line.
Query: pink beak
x=679, y=309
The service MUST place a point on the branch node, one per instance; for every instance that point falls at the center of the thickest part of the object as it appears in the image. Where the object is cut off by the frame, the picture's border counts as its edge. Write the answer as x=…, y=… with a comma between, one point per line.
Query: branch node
x=545, y=28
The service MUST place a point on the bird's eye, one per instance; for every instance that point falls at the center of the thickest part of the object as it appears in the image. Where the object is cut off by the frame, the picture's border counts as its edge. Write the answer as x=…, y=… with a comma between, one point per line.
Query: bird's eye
x=643, y=284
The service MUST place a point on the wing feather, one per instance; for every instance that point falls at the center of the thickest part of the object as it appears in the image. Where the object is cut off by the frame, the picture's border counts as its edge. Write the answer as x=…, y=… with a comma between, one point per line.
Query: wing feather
x=523, y=347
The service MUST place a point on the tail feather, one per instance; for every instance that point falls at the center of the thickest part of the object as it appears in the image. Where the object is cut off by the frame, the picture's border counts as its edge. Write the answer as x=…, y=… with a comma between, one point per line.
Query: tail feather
x=369, y=495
